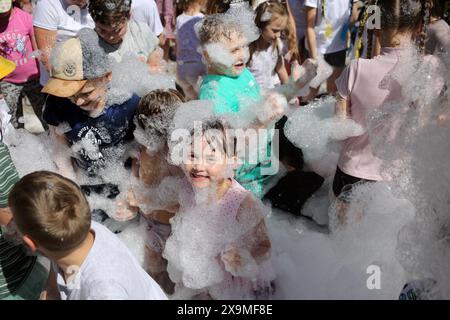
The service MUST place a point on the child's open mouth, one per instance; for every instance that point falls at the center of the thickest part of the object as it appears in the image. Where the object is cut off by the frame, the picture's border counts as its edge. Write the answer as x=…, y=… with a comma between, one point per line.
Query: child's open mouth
x=239, y=65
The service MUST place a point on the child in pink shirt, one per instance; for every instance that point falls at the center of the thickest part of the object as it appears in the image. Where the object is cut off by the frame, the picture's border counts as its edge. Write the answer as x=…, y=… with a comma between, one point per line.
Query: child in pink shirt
x=17, y=44
x=360, y=93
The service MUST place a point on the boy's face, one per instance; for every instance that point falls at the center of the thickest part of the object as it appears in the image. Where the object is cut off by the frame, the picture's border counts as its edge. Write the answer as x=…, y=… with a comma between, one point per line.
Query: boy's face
x=112, y=33
x=237, y=53
x=92, y=97
x=207, y=166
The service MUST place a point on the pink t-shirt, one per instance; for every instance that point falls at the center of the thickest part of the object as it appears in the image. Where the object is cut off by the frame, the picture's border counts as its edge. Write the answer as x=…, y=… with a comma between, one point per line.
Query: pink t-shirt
x=15, y=45
x=359, y=84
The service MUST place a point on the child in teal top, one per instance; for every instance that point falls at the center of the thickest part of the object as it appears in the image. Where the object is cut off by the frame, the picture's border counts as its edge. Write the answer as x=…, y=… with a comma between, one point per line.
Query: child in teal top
x=228, y=93
x=231, y=87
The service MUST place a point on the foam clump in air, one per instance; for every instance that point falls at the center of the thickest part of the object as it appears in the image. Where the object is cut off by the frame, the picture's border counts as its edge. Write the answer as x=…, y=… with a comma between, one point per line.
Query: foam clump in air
x=132, y=76
x=315, y=129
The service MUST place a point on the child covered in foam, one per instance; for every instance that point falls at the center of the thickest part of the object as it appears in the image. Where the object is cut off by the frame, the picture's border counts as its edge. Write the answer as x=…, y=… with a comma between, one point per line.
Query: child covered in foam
x=153, y=119
x=219, y=247
x=234, y=90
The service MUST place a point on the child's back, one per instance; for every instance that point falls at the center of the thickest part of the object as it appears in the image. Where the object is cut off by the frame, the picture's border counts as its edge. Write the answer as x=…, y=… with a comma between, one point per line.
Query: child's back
x=369, y=84
x=109, y=271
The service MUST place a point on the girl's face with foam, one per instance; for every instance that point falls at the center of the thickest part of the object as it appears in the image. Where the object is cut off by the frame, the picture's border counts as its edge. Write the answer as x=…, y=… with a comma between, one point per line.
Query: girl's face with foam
x=272, y=31
x=206, y=165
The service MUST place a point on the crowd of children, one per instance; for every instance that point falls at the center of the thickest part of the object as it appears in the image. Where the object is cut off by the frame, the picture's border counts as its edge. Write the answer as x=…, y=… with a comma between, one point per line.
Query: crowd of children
x=205, y=222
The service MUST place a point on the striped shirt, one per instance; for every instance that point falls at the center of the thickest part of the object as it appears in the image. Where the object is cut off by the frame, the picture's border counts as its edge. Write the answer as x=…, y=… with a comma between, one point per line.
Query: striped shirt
x=15, y=264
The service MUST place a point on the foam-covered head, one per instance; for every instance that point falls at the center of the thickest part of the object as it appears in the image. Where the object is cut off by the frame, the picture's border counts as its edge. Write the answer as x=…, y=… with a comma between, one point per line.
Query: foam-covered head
x=154, y=117
x=225, y=38
x=74, y=62
x=111, y=18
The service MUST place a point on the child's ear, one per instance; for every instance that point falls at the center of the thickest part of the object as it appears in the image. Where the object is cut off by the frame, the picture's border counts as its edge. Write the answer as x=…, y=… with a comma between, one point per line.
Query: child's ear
x=109, y=76
x=206, y=56
x=29, y=243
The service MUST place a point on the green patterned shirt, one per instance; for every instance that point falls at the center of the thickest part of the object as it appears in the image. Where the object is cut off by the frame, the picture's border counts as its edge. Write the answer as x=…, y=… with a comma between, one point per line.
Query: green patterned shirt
x=15, y=264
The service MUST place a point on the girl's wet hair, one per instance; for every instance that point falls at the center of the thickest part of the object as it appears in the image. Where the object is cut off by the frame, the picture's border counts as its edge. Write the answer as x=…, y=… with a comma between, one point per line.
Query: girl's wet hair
x=406, y=15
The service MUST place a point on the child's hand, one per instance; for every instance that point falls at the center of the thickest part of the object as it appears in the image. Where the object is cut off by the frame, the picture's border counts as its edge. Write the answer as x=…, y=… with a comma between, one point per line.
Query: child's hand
x=127, y=207
x=274, y=107
x=239, y=262
x=231, y=259
x=306, y=73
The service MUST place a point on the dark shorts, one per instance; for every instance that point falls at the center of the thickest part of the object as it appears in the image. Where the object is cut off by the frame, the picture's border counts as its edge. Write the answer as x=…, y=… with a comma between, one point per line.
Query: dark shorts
x=344, y=182
x=336, y=59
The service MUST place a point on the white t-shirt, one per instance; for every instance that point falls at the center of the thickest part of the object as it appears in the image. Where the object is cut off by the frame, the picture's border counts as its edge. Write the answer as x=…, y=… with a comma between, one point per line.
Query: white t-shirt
x=109, y=272
x=146, y=11
x=331, y=32
x=139, y=39
x=187, y=41
x=263, y=66
x=66, y=20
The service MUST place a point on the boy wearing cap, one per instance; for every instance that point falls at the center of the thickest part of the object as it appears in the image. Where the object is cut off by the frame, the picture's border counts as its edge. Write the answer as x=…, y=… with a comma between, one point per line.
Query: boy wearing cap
x=17, y=43
x=95, y=132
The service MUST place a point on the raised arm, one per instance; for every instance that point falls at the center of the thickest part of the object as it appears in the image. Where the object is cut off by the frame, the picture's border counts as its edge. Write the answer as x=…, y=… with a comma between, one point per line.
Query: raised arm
x=45, y=41
x=61, y=154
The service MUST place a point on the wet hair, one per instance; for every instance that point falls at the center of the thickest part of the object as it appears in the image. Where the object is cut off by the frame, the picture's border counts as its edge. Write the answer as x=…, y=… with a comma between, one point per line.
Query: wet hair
x=183, y=5
x=406, y=15
x=214, y=28
x=437, y=9
x=273, y=8
x=109, y=11
x=215, y=132
x=157, y=109
x=217, y=6
x=51, y=209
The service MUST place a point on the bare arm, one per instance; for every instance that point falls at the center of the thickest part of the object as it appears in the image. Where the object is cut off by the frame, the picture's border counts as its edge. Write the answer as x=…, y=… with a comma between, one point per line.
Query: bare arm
x=45, y=41
x=61, y=154
x=311, y=14
x=342, y=108
x=281, y=71
x=154, y=60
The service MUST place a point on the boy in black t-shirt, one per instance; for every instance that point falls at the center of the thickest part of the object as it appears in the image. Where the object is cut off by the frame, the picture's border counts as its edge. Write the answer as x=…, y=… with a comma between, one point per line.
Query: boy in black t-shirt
x=88, y=133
